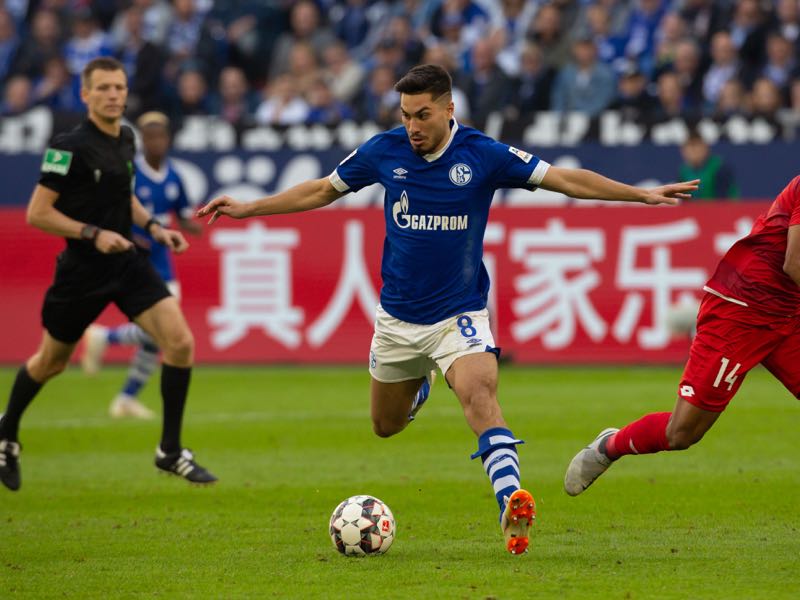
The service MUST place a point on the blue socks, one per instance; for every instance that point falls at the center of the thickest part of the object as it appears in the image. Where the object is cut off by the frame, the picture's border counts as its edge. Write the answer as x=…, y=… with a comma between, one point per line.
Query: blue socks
x=497, y=449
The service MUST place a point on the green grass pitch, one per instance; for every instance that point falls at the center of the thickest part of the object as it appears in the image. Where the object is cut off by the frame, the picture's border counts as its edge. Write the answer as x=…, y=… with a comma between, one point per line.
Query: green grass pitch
x=95, y=520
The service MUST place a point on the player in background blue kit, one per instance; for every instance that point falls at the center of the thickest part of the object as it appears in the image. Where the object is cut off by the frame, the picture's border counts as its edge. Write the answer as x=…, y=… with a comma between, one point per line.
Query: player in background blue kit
x=440, y=178
x=160, y=189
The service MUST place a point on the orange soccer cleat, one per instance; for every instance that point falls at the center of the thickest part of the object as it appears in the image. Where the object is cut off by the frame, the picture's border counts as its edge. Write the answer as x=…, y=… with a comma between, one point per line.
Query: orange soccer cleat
x=517, y=520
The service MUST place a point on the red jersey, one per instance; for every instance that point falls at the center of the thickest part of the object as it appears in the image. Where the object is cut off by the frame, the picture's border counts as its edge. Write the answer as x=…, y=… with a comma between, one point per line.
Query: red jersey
x=751, y=272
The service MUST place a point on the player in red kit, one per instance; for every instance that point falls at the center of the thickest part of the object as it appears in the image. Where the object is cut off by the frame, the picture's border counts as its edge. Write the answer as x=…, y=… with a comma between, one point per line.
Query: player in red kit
x=750, y=314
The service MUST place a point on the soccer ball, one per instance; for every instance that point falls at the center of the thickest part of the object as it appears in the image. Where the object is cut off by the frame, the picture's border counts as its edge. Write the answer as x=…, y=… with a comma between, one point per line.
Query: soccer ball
x=362, y=525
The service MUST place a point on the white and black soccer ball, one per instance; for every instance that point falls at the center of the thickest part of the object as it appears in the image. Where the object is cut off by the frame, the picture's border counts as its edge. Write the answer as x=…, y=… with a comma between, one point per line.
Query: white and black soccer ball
x=362, y=525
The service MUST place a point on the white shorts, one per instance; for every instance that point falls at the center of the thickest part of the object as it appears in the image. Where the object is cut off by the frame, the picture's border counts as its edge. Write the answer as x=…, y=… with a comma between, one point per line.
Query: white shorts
x=174, y=288
x=401, y=351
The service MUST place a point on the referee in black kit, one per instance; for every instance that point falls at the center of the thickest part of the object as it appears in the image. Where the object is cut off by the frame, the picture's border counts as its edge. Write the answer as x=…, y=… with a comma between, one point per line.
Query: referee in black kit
x=85, y=195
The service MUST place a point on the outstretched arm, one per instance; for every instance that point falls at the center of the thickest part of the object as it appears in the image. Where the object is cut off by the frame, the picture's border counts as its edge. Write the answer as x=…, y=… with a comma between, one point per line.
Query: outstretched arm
x=582, y=183
x=308, y=195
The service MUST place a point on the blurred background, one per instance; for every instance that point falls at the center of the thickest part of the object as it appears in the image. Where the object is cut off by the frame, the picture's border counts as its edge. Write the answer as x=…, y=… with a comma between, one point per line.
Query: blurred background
x=263, y=94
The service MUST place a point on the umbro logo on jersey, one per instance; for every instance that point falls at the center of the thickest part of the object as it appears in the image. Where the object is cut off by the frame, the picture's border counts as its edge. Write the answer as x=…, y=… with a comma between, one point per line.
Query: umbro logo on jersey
x=399, y=173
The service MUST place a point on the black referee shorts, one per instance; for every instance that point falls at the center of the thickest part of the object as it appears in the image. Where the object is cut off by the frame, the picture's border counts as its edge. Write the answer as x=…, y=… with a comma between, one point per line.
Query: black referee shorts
x=82, y=288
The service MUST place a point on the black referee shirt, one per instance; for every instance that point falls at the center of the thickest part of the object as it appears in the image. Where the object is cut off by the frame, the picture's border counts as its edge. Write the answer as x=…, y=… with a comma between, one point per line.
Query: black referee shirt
x=92, y=173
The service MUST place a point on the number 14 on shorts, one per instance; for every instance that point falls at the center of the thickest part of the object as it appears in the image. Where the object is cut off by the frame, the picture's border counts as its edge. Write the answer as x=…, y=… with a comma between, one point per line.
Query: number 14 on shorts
x=731, y=377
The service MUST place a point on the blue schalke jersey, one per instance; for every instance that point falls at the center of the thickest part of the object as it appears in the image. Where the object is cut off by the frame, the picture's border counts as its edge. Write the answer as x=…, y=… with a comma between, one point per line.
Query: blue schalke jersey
x=436, y=208
x=161, y=192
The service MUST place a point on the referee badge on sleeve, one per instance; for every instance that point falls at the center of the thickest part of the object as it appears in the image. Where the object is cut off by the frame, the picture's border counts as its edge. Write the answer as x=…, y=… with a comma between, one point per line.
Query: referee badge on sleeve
x=56, y=161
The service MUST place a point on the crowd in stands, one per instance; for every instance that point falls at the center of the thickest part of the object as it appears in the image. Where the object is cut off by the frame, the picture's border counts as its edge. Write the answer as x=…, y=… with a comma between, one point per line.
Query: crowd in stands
x=282, y=62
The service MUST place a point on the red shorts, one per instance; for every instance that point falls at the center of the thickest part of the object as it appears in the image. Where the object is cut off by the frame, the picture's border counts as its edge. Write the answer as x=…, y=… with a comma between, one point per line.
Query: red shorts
x=731, y=340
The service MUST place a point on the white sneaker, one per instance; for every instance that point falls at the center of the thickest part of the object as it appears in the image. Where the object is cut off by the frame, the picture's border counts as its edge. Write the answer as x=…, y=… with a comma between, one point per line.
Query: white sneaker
x=587, y=465
x=127, y=406
x=95, y=342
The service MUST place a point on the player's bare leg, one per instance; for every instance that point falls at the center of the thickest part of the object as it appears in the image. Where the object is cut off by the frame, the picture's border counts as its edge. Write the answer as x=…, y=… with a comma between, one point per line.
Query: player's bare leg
x=49, y=360
x=473, y=378
x=390, y=405
x=165, y=322
x=684, y=426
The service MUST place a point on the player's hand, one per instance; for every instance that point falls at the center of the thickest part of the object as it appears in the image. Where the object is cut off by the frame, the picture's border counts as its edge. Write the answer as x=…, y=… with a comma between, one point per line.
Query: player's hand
x=671, y=193
x=223, y=205
x=171, y=238
x=110, y=242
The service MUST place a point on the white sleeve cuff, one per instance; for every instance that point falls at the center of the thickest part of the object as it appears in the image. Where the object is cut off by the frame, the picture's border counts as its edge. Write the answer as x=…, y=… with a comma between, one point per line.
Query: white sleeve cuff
x=538, y=173
x=337, y=182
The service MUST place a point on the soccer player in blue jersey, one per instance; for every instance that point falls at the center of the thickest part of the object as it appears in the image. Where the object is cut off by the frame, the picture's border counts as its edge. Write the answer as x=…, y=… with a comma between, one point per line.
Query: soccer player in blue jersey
x=160, y=190
x=440, y=178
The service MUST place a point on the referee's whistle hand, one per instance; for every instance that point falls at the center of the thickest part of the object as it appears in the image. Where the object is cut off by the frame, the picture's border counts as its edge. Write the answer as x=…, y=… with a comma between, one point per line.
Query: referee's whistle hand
x=172, y=239
x=110, y=242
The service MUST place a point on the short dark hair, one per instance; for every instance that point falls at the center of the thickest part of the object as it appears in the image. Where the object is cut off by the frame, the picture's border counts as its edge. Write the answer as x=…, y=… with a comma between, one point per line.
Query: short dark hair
x=422, y=79
x=102, y=63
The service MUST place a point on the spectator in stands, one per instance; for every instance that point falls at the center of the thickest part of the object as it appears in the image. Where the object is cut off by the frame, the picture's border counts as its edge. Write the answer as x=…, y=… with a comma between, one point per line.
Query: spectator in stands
x=548, y=32
x=17, y=96
x=143, y=62
x=303, y=67
x=671, y=32
x=437, y=54
x=192, y=37
x=305, y=26
x=533, y=86
x=352, y=24
x=704, y=18
x=730, y=102
x=235, y=102
x=324, y=107
x=343, y=74
x=399, y=30
x=689, y=69
x=610, y=47
x=9, y=44
x=87, y=42
x=245, y=32
x=388, y=53
x=633, y=102
x=618, y=15
x=645, y=19
x=670, y=99
x=282, y=105
x=43, y=42
x=156, y=16
x=379, y=102
x=192, y=96
x=765, y=102
x=488, y=89
x=748, y=30
x=788, y=22
x=716, y=178
x=52, y=88
x=781, y=64
x=585, y=85
x=473, y=18
x=509, y=26
x=724, y=66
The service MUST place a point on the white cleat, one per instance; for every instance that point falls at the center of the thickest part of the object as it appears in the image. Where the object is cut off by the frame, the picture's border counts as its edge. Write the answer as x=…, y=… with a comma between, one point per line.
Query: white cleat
x=95, y=342
x=587, y=465
x=125, y=406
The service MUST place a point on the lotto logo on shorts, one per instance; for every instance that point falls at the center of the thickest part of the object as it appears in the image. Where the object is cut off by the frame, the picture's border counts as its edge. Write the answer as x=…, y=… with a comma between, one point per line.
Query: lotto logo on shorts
x=687, y=391
x=373, y=362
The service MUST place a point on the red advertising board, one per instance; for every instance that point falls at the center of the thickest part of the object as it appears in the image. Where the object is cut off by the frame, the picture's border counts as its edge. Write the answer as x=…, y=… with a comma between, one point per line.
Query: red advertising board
x=584, y=284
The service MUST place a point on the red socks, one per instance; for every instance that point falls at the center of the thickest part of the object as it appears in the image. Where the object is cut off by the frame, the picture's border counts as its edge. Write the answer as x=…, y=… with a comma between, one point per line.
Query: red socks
x=645, y=436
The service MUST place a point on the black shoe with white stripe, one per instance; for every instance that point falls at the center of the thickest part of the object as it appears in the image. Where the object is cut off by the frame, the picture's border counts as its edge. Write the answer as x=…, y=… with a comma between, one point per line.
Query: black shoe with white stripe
x=182, y=464
x=9, y=464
